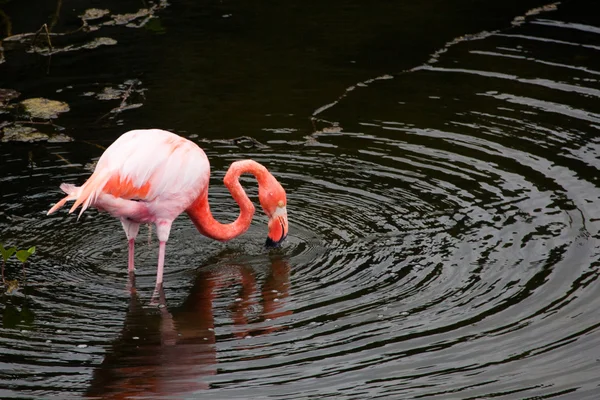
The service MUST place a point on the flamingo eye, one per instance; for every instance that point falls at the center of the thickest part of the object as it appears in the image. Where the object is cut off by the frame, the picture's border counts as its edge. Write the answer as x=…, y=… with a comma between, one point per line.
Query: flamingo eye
x=280, y=203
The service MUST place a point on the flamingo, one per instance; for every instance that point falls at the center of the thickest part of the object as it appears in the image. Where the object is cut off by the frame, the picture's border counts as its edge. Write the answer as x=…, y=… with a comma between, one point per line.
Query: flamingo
x=151, y=176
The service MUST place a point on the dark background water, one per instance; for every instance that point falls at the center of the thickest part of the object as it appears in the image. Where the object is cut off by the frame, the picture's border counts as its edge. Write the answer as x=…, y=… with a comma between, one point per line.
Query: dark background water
x=441, y=162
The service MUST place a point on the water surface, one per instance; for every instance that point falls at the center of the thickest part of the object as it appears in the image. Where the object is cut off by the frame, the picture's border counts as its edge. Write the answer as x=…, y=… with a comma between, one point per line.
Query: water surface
x=443, y=199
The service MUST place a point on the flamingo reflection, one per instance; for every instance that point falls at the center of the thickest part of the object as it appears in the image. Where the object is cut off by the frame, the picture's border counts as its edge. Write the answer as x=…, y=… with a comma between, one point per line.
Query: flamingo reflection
x=163, y=351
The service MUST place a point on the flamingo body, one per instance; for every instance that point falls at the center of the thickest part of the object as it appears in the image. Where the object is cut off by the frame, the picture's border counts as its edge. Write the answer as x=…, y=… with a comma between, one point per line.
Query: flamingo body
x=152, y=176
x=145, y=176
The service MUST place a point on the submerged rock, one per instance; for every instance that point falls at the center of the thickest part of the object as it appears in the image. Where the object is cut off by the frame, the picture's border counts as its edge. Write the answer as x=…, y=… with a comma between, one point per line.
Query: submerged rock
x=59, y=138
x=26, y=38
x=125, y=19
x=44, y=108
x=27, y=134
x=20, y=133
x=109, y=93
x=11, y=286
x=93, y=13
x=101, y=41
x=7, y=95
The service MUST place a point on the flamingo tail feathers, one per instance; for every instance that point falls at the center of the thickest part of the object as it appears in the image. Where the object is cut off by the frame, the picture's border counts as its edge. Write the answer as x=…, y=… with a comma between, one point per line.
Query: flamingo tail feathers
x=71, y=191
x=84, y=195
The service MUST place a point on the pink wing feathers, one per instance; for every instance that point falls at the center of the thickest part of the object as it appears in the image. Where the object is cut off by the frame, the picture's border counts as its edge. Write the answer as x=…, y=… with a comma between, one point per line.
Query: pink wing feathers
x=143, y=165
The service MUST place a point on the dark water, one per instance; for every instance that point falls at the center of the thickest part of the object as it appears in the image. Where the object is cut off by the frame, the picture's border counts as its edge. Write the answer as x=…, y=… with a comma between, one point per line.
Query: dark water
x=441, y=162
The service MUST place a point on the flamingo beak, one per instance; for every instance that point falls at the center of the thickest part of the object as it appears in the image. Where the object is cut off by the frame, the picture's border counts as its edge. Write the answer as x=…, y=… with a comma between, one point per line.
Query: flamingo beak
x=278, y=227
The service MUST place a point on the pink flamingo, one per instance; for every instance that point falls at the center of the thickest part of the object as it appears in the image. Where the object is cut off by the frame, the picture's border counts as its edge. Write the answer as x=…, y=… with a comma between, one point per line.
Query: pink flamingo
x=152, y=176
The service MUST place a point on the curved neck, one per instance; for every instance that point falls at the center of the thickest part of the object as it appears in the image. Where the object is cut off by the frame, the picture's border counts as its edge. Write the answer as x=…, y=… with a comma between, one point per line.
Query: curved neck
x=200, y=214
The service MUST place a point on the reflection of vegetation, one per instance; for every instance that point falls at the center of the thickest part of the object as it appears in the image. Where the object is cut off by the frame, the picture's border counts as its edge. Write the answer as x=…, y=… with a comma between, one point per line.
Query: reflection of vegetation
x=13, y=316
x=155, y=26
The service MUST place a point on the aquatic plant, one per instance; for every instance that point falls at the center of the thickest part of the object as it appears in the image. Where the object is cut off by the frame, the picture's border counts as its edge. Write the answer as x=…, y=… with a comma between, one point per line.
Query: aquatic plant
x=6, y=254
x=23, y=255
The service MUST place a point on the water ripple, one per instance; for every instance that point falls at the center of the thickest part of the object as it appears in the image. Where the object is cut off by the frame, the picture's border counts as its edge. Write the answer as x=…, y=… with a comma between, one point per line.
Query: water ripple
x=443, y=243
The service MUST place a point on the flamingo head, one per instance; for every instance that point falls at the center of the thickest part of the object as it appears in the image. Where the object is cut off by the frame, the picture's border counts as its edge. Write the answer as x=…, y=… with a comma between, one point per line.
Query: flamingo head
x=271, y=196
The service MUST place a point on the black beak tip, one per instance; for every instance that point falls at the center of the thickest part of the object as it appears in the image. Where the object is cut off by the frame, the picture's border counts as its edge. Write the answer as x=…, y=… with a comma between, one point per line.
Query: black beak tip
x=270, y=243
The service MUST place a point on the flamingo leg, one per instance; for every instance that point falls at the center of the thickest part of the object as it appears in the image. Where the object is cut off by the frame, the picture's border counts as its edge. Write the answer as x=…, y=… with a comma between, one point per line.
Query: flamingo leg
x=163, y=228
x=161, y=263
x=158, y=289
x=130, y=266
x=131, y=230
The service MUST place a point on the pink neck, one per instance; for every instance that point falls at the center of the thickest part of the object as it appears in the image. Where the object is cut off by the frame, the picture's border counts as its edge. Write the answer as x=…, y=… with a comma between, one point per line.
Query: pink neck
x=200, y=213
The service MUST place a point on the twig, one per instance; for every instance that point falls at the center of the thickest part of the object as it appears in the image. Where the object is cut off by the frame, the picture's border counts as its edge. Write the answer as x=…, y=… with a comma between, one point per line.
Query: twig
x=123, y=104
x=7, y=23
x=94, y=144
x=238, y=141
x=56, y=14
x=127, y=94
x=35, y=122
x=45, y=28
x=64, y=159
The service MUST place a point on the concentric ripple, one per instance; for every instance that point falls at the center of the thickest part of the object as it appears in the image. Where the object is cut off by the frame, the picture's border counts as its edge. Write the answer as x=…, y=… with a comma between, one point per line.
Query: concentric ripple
x=443, y=243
